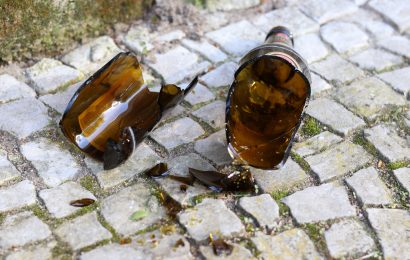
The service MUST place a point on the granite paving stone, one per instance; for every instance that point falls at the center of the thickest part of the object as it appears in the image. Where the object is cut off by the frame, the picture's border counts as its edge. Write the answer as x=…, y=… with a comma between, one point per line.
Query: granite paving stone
x=403, y=176
x=228, y=5
x=337, y=69
x=324, y=11
x=392, y=227
x=222, y=76
x=143, y=159
x=17, y=230
x=179, y=132
x=139, y=39
x=115, y=251
x=238, y=253
x=181, y=193
x=318, y=85
x=397, y=11
x=284, y=179
x=316, y=144
x=369, y=188
x=291, y=244
x=398, y=79
x=320, y=203
x=335, y=116
x=294, y=19
x=349, y=239
x=206, y=49
x=396, y=44
x=60, y=100
x=213, y=114
x=237, y=38
x=376, y=59
x=263, y=208
x=199, y=95
x=211, y=216
x=50, y=75
x=388, y=143
x=72, y=232
x=39, y=252
x=12, y=89
x=54, y=164
x=118, y=208
x=311, y=47
x=23, y=117
x=214, y=148
x=338, y=161
x=17, y=196
x=369, y=97
x=8, y=171
x=171, y=36
x=91, y=56
x=57, y=200
x=344, y=37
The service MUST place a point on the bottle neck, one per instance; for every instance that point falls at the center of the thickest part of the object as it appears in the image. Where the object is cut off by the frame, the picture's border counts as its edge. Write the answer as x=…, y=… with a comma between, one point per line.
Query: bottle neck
x=280, y=35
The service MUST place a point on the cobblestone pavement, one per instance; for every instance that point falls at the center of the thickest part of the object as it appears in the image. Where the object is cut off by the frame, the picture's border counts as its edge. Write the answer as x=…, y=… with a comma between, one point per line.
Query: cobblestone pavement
x=343, y=194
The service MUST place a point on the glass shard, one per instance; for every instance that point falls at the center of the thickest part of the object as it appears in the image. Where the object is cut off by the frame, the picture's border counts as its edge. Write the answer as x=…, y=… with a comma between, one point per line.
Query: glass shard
x=82, y=202
x=220, y=247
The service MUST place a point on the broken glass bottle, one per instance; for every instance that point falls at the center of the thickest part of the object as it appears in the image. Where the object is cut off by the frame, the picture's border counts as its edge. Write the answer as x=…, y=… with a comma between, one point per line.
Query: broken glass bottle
x=266, y=102
x=113, y=111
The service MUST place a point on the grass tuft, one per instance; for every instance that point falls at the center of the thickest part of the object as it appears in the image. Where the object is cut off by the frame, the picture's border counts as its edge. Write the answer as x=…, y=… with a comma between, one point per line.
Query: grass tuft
x=311, y=127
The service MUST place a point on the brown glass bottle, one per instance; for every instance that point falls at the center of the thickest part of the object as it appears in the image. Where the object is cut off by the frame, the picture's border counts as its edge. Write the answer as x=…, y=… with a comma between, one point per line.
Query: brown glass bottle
x=266, y=102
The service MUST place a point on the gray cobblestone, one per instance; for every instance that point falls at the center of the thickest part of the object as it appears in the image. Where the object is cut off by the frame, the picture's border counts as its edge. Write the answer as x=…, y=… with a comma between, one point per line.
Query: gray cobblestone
x=397, y=11
x=138, y=39
x=392, y=228
x=211, y=216
x=335, y=116
x=369, y=97
x=388, y=143
x=341, y=159
x=11, y=89
x=237, y=38
x=59, y=100
x=40, y=252
x=284, y=179
x=214, y=148
x=376, y=59
x=114, y=251
x=396, y=44
x=199, y=95
x=344, y=37
x=49, y=75
x=311, y=47
x=319, y=203
x=23, y=117
x=263, y=208
x=398, y=80
x=403, y=176
x=369, y=188
x=54, y=165
x=170, y=36
x=17, y=196
x=228, y=5
x=318, y=85
x=206, y=49
x=213, y=114
x=316, y=144
x=220, y=77
x=348, y=239
x=7, y=170
x=324, y=11
x=57, y=200
x=294, y=242
x=73, y=233
x=179, y=132
x=238, y=253
x=336, y=68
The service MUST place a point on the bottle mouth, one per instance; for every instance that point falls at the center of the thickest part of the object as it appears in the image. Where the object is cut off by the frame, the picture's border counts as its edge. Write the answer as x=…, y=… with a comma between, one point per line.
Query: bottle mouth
x=280, y=30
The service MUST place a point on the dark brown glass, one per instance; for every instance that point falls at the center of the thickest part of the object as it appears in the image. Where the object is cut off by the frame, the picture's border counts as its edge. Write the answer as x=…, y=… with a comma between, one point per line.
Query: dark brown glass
x=266, y=102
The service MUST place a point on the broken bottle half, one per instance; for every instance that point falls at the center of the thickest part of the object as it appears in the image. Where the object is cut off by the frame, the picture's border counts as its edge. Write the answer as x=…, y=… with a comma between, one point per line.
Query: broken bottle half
x=266, y=102
x=113, y=111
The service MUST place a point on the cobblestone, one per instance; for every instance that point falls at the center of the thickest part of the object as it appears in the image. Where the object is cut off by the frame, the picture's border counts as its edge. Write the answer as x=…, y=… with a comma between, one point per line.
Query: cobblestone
x=335, y=116
x=206, y=49
x=376, y=59
x=23, y=117
x=220, y=77
x=114, y=251
x=324, y=11
x=17, y=196
x=316, y=144
x=388, y=143
x=318, y=85
x=398, y=80
x=53, y=164
x=311, y=47
x=397, y=11
x=338, y=161
x=59, y=100
x=403, y=176
x=211, y=216
x=344, y=37
x=17, y=230
x=392, y=228
x=396, y=44
x=336, y=68
x=291, y=244
x=213, y=114
x=285, y=179
x=214, y=148
x=348, y=239
x=199, y=95
x=215, y=5
x=369, y=97
x=72, y=232
x=11, y=89
x=57, y=200
x=319, y=203
x=179, y=132
x=263, y=208
x=369, y=188
x=118, y=208
x=49, y=75
x=37, y=252
x=138, y=39
x=238, y=253
x=238, y=38
x=7, y=170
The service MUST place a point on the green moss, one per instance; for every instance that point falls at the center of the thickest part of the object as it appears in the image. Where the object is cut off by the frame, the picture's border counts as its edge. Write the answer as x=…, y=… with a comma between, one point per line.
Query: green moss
x=90, y=184
x=61, y=252
x=2, y=217
x=304, y=164
x=199, y=3
x=278, y=196
x=41, y=213
x=360, y=140
x=315, y=232
x=397, y=165
x=311, y=127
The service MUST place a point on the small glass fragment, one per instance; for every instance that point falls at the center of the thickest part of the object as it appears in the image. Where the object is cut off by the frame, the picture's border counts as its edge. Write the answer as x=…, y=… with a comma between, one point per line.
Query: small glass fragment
x=172, y=207
x=125, y=241
x=158, y=170
x=183, y=187
x=266, y=102
x=179, y=243
x=138, y=215
x=186, y=180
x=113, y=111
x=82, y=202
x=220, y=247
